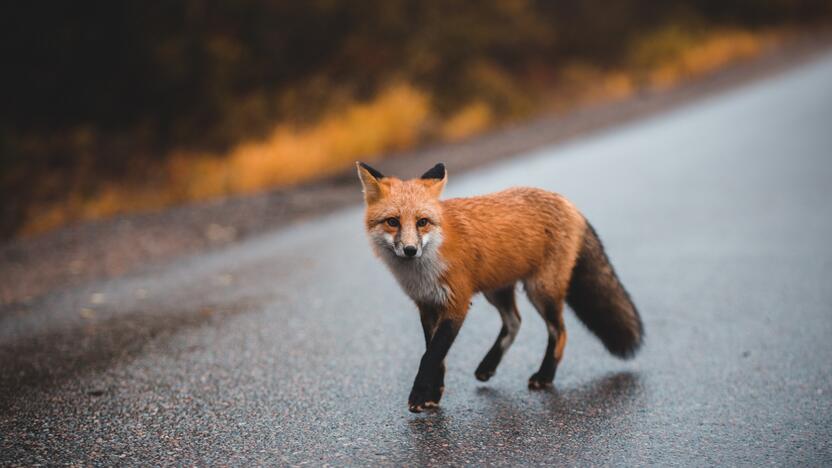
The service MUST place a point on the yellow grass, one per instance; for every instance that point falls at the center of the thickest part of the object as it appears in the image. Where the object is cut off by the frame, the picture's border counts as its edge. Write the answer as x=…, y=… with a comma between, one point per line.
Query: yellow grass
x=673, y=54
x=470, y=120
x=393, y=121
x=396, y=119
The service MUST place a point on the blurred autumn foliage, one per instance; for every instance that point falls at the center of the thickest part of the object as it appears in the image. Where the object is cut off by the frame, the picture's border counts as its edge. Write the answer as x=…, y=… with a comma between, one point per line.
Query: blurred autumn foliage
x=112, y=106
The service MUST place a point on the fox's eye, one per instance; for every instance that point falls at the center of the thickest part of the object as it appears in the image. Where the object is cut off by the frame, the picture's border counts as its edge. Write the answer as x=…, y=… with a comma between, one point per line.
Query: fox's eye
x=392, y=222
x=422, y=222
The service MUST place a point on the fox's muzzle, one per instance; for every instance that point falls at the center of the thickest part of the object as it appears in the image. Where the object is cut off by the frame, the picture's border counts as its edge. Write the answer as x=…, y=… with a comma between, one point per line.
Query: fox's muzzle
x=407, y=251
x=408, y=242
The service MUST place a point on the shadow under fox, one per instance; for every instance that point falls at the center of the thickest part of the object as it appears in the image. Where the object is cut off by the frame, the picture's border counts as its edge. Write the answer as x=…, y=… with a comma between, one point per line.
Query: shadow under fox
x=442, y=252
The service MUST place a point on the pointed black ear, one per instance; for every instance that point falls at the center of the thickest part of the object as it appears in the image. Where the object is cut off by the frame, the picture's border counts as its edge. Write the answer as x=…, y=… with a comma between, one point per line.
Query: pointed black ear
x=373, y=172
x=370, y=182
x=436, y=172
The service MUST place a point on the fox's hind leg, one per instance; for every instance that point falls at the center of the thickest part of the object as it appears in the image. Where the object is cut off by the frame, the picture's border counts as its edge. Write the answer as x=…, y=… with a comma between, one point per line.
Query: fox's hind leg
x=550, y=306
x=503, y=300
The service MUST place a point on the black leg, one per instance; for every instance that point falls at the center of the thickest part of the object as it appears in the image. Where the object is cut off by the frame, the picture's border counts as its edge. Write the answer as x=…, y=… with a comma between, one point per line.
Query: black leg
x=553, y=315
x=429, y=317
x=431, y=368
x=492, y=359
x=503, y=300
x=546, y=374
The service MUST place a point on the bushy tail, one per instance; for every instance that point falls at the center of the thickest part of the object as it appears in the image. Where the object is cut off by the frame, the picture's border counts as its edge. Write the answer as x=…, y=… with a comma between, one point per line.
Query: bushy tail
x=600, y=300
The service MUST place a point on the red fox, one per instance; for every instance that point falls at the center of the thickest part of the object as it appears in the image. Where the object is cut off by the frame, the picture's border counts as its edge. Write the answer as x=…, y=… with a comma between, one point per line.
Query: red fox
x=442, y=252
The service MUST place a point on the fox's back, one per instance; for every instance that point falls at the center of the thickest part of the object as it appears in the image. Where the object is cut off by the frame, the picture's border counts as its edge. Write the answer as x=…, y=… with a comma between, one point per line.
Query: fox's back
x=507, y=235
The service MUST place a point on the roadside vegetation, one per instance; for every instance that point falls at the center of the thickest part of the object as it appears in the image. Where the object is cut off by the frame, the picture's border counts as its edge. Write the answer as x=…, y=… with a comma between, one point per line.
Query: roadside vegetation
x=115, y=107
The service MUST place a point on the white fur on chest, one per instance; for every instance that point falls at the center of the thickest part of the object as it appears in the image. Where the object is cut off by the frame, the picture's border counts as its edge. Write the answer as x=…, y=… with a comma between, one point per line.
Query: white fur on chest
x=420, y=278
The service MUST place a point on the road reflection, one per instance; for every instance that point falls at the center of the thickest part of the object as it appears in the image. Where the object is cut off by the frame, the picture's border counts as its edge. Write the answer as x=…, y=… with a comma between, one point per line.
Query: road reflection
x=501, y=422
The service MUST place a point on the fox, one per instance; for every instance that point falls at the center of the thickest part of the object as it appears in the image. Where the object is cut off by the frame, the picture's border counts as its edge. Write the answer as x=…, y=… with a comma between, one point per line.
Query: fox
x=443, y=252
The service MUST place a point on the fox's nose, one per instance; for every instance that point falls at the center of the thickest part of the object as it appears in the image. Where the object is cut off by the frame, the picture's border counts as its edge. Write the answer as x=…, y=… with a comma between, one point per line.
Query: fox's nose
x=410, y=250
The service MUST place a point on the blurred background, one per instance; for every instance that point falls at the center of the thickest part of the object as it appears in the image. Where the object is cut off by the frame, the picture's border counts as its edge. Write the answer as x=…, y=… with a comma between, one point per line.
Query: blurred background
x=185, y=279
x=114, y=107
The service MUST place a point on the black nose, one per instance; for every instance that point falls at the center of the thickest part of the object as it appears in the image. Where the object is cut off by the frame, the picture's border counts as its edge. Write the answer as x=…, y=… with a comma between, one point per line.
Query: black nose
x=410, y=250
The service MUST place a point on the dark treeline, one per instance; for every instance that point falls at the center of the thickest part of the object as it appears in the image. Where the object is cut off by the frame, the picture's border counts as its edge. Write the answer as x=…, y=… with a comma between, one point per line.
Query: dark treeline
x=105, y=84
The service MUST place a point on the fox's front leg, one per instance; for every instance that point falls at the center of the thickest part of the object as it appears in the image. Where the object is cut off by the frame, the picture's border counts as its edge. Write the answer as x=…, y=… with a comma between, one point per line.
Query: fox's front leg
x=429, y=316
x=441, y=326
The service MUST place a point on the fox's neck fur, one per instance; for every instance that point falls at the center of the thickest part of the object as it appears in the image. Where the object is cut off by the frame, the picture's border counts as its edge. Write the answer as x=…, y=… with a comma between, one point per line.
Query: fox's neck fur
x=421, y=278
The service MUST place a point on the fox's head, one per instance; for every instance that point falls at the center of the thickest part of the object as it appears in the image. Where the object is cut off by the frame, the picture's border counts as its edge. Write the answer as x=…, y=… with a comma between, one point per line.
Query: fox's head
x=404, y=217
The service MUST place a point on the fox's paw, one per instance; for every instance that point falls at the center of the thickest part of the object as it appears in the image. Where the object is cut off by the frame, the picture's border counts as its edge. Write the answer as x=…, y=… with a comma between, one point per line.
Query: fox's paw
x=486, y=369
x=421, y=400
x=539, y=382
x=483, y=375
x=419, y=407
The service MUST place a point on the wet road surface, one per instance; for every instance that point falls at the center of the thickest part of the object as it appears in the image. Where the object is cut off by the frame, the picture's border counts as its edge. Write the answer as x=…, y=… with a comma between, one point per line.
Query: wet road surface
x=298, y=347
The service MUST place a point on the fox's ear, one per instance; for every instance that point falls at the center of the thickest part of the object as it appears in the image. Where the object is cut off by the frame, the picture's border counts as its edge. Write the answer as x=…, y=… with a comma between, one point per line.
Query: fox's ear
x=369, y=181
x=435, y=179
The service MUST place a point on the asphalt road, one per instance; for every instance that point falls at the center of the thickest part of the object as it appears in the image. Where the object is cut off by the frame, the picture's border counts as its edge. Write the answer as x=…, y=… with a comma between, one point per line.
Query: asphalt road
x=298, y=347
